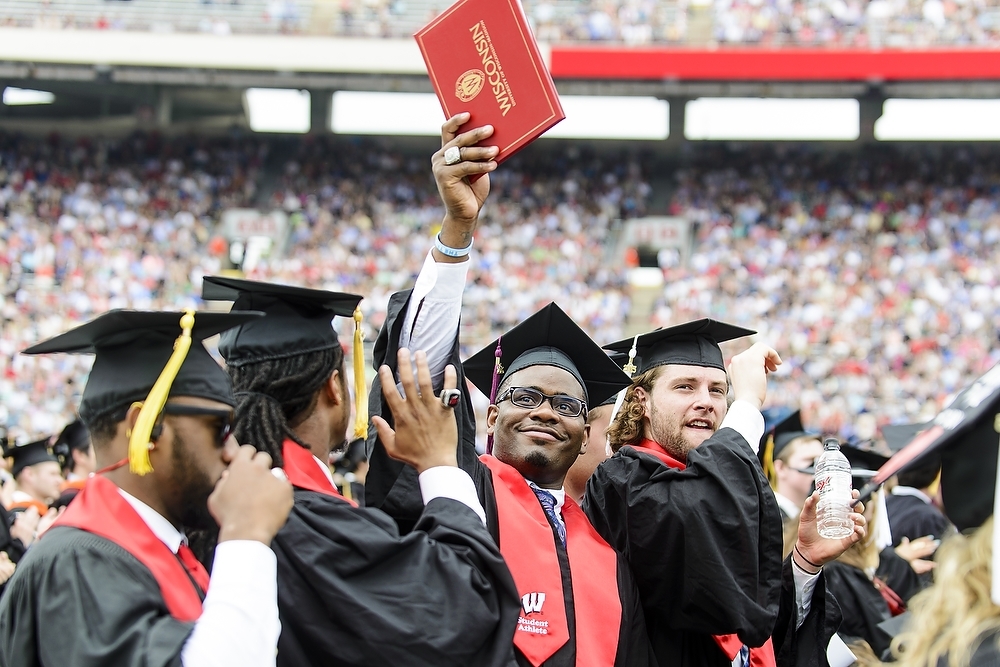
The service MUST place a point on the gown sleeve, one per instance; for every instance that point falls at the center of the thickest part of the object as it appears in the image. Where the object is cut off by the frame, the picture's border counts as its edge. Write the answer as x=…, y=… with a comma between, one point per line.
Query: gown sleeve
x=353, y=591
x=78, y=599
x=704, y=543
x=391, y=485
x=805, y=645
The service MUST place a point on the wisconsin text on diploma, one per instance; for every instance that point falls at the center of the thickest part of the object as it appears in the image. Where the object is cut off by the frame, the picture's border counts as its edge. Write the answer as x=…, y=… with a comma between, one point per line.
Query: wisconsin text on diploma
x=492, y=67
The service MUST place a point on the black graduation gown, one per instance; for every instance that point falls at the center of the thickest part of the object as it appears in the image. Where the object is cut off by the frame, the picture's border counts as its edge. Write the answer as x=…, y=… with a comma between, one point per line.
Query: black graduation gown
x=911, y=517
x=393, y=486
x=863, y=606
x=353, y=592
x=896, y=571
x=13, y=546
x=705, y=546
x=79, y=599
x=987, y=654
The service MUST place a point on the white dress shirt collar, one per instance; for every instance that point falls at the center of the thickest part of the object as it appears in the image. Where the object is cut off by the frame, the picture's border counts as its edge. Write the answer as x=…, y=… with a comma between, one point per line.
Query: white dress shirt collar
x=787, y=505
x=911, y=491
x=163, y=529
x=558, y=494
x=326, y=471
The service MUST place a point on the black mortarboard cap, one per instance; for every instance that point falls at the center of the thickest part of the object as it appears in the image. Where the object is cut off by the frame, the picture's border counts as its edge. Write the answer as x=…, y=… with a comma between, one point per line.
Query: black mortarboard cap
x=898, y=436
x=864, y=464
x=775, y=439
x=965, y=436
x=790, y=429
x=298, y=320
x=896, y=624
x=619, y=360
x=73, y=436
x=689, y=344
x=29, y=454
x=549, y=338
x=132, y=348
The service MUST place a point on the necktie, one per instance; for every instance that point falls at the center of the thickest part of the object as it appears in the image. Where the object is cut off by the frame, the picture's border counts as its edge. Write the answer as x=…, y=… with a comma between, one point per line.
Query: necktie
x=745, y=656
x=548, y=502
x=194, y=568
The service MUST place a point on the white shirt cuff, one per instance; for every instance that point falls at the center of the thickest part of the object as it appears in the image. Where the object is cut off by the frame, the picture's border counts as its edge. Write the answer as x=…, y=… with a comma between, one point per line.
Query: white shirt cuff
x=746, y=420
x=805, y=584
x=450, y=482
x=239, y=621
x=440, y=281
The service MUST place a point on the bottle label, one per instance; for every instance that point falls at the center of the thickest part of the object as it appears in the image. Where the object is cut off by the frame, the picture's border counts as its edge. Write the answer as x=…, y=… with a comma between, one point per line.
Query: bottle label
x=823, y=485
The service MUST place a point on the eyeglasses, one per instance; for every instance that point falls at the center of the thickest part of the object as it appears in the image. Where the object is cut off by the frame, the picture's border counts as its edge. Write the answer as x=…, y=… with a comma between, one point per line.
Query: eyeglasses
x=529, y=399
x=225, y=417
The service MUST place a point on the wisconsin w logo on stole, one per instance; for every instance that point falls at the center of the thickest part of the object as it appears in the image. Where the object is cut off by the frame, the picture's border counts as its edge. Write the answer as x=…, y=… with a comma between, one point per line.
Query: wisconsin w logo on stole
x=532, y=603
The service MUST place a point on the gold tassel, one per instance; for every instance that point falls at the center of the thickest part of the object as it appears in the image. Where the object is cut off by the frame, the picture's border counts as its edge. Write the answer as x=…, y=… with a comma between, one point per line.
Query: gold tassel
x=138, y=444
x=769, y=473
x=360, y=389
x=630, y=368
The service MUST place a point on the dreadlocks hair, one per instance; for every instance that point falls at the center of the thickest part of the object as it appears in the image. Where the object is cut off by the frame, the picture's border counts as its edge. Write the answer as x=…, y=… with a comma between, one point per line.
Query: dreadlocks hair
x=276, y=395
x=627, y=429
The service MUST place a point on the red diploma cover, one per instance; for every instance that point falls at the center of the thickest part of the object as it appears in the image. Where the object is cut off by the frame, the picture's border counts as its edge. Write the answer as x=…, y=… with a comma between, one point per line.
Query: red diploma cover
x=482, y=58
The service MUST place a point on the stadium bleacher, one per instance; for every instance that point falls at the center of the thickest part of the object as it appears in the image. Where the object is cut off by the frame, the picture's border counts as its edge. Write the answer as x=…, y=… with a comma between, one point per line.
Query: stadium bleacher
x=772, y=23
x=873, y=270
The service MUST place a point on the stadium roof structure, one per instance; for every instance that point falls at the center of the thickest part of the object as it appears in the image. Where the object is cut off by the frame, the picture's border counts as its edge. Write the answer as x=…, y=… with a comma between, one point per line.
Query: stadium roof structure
x=191, y=81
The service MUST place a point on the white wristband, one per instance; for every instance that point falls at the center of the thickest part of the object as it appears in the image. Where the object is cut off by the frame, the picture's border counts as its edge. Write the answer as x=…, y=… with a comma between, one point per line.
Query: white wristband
x=451, y=252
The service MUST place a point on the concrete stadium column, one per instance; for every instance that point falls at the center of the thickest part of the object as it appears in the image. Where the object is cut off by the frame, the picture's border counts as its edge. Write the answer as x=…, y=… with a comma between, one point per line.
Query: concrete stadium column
x=676, y=123
x=870, y=110
x=164, y=107
x=321, y=108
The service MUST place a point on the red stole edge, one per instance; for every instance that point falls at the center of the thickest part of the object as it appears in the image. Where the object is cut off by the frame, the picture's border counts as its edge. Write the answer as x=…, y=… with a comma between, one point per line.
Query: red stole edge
x=303, y=471
x=527, y=543
x=100, y=509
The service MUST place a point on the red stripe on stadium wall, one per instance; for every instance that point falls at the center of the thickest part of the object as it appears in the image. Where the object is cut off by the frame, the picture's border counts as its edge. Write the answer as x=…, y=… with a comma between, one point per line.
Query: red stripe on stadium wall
x=588, y=62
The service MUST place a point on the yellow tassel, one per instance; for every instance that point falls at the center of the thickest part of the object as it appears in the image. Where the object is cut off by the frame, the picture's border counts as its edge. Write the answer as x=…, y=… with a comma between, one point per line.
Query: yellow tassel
x=360, y=389
x=935, y=485
x=138, y=444
x=769, y=473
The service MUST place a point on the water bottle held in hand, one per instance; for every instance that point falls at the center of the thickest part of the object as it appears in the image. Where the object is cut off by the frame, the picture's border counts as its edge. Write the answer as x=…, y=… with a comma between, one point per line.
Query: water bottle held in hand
x=833, y=481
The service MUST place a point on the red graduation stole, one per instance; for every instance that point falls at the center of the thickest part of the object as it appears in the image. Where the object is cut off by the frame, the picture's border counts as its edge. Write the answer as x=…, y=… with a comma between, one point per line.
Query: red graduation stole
x=101, y=510
x=302, y=471
x=762, y=656
x=528, y=545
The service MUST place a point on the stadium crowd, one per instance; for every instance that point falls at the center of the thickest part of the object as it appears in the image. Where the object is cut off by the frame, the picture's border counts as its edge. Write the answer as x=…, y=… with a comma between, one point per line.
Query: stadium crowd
x=764, y=23
x=873, y=273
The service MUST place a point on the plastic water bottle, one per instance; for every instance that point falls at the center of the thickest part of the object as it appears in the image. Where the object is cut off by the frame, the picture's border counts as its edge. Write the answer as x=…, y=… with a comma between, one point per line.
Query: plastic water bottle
x=833, y=481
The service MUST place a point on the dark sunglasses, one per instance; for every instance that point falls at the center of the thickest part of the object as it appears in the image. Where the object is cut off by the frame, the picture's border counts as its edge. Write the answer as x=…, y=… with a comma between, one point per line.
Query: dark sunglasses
x=529, y=399
x=225, y=417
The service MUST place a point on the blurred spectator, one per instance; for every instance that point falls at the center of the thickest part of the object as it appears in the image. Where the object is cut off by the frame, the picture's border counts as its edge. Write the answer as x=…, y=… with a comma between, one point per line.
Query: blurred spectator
x=765, y=23
x=872, y=272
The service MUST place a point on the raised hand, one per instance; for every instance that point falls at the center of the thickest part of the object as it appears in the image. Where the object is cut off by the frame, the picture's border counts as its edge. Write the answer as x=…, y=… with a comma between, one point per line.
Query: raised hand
x=748, y=373
x=25, y=526
x=462, y=200
x=917, y=552
x=817, y=551
x=249, y=503
x=6, y=567
x=426, y=432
